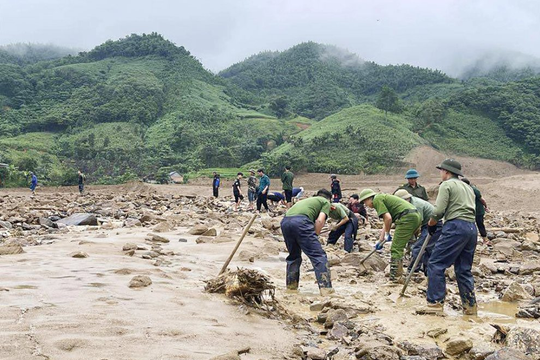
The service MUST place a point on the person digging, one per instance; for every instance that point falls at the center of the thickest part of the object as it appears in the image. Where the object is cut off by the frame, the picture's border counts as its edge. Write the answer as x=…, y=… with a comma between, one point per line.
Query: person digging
x=407, y=219
x=426, y=210
x=457, y=243
x=301, y=227
x=347, y=223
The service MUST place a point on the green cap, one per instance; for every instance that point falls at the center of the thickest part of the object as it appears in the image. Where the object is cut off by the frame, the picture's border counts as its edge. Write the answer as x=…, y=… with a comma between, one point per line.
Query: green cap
x=402, y=193
x=365, y=194
x=451, y=165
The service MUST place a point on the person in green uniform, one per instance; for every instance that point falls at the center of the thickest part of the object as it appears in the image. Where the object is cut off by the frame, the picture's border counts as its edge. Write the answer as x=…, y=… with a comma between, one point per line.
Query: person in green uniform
x=287, y=180
x=347, y=223
x=301, y=227
x=457, y=244
x=393, y=209
x=412, y=185
x=481, y=209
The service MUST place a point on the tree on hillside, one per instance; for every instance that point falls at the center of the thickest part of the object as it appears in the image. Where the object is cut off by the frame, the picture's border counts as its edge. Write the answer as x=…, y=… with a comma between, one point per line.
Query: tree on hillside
x=428, y=113
x=280, y=106
x=388, y=101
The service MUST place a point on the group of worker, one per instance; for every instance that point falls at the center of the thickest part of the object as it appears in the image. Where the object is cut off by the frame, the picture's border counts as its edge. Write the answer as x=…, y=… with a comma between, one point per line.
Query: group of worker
x=258, y=190
x=34, y=182
x=449, y=227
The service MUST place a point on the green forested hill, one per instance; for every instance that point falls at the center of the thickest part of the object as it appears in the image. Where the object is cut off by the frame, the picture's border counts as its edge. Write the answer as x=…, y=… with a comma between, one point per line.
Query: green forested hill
x=318, y=80
x=131, y=106
x=142, y=106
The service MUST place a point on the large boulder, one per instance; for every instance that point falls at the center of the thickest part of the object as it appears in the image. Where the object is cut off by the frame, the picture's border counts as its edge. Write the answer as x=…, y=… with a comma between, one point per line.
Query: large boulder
x=530, y=267
x=79, y=219
x=11, y=249
x=507, y=354
x=515, y=292
x=458, y=345
x=198, y=229
x=524, y=339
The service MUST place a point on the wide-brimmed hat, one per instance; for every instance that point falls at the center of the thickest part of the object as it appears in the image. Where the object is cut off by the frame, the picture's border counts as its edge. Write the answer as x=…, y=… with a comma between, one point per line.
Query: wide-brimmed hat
x=412, y=174
x=402, y=193
x=451, y=165
x=366, y=194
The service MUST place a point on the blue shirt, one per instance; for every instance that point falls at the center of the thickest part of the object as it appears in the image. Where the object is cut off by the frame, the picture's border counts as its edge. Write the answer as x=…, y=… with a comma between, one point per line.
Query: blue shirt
x=264, y=182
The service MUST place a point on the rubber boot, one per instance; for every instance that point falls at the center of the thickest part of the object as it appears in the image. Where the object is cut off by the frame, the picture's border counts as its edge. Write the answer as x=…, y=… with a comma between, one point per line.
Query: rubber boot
x=396, y=270
x=470, y=310
x=327, y=291
x=431, y=309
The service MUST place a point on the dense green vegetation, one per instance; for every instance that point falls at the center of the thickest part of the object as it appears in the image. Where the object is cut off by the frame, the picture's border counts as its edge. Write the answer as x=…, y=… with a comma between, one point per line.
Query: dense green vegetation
x=319, y=80
x=142, y=107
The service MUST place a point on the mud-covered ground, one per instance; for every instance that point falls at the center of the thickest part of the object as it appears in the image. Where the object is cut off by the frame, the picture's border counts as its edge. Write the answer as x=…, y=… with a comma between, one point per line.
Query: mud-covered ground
x=68, y=292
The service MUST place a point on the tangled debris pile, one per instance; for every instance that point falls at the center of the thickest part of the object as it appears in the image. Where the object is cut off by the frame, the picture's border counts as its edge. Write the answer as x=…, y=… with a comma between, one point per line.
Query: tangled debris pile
x=243, y=285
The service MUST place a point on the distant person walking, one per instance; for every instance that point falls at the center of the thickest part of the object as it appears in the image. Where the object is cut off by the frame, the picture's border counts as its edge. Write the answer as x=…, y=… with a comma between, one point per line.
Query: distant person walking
x=335, y=187
x=481, y=209
x=412, y=185
x=237, y=191
x=33, y=183
x=252, y=188
x=82, y=180
x=215, y=184
x=262, y=191
x=287, y=179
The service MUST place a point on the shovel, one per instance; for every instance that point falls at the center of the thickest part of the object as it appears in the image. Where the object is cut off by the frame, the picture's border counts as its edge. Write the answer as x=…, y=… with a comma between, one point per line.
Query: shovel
x=224, y=268
x=416, y=261
x=374, y=250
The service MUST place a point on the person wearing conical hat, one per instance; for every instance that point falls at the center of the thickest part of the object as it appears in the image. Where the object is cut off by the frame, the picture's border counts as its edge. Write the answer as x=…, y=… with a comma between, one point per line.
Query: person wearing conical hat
x=412, y=185
x=393, y=209
x=456, y=246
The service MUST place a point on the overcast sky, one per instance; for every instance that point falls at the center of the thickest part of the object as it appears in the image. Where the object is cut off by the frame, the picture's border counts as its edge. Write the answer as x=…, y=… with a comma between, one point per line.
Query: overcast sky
x=435, y=33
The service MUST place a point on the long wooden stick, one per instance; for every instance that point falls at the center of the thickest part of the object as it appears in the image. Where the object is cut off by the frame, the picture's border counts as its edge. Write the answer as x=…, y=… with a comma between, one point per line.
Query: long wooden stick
x=416, y=261
x=224, y=268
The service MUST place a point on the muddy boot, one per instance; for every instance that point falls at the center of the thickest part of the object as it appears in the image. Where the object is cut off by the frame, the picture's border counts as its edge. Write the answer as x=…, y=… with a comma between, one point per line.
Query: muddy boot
x=431, y=309
x=470, y=310
x=396, y=270
x=327, y=291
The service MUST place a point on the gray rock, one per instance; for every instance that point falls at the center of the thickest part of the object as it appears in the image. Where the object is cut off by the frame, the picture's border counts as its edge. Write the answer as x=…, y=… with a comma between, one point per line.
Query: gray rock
x=458, y=345
x=11, y=249
x=46, y=222
x=140, y=281
x=524, y=339
x=79, y=255
x=507, y=354
x=198, y=230
x=334, y=316
x=530, y=267
x=129, y=246
x=515, y=292
x=338, y=331
x=480, y=352
x=315, y=353
x=79, y=219
x=210, y=232
x=158, y=238
x=6, y=225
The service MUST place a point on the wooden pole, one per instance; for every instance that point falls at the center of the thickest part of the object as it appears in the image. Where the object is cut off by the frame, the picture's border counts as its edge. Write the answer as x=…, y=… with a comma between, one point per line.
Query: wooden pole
x=224, y=268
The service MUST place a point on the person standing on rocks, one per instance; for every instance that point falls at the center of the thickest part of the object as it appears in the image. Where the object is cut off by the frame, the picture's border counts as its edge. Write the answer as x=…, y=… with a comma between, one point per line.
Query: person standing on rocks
x=287, y=179
x=426, y=210
x=215, y=184
x=335, y=187
x=347, y=224
x=82, y=180
x=252, y=189
x=481, y=209
x=33, y=183
x=456, y=246
x=237, y=191
x=262, y=191
x=301, y=227
x=393, y=209
x=412, y=185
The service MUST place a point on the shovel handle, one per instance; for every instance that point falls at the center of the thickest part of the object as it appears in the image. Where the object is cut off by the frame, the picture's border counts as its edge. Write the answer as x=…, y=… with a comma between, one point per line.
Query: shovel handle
x=238, y=244
x=416, y=261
